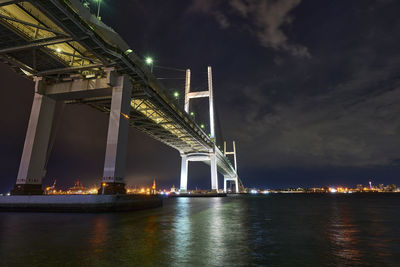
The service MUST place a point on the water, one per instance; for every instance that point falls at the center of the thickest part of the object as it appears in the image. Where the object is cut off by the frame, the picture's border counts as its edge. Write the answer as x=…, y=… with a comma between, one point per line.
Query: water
x=270, y=230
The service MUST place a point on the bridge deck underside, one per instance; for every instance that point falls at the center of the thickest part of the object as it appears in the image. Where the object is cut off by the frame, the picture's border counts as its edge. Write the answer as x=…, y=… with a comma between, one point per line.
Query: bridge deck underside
x=59, y=39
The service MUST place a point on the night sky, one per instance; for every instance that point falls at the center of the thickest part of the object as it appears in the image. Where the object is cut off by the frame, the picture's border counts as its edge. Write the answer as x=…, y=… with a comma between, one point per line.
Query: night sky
x=308, y=89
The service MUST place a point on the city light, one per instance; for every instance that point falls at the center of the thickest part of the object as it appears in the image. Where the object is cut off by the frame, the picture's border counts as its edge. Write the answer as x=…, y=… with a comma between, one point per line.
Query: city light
x=202, y=126
x=332, y=190
x=58, y=50
x=80, y=189
x=192, y=113
x=176, y=94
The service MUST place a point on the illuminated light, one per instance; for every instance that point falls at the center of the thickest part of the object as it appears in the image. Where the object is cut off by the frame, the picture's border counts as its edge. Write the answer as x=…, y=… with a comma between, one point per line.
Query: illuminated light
x=149, y=60
x=58, y=50
x=253, y=191
x=266, y=192
x=127, y=52
x=332, y=190
x=125, y=116
x=103, y=184
x=147, y=109
x=202, y=126
x=192, y=113
x=176, y=94
x=26, y=72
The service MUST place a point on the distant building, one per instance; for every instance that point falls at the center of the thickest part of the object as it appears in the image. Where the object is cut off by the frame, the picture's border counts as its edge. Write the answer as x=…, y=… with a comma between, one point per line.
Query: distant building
x=77, y=188
x=153, y=188
x=173, y=189
x=392, y=188
x=360, y=187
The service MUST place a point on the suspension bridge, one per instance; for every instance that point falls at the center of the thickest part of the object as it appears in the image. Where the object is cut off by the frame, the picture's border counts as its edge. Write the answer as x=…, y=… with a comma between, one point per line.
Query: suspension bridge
x=73, y=57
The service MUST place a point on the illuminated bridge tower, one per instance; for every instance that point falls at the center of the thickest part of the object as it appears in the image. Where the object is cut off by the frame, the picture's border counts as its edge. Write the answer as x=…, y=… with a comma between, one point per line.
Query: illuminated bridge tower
x=41, y=129
x=211, y=155
x=228, y=178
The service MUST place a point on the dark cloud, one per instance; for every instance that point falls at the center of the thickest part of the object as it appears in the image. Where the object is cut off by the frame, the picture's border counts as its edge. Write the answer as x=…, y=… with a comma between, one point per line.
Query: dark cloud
x=265, y=20
x=210, y=8
x=337, y=110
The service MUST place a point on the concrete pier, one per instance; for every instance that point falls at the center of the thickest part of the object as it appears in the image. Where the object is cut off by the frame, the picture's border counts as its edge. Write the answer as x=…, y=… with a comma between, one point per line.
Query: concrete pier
x=32, y=168
x=117, y=139
x=78, y=203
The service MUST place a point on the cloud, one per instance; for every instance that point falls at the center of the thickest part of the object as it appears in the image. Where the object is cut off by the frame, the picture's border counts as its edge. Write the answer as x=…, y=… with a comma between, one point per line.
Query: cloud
x=209, y=7
x=264, y=19
x=349, y=124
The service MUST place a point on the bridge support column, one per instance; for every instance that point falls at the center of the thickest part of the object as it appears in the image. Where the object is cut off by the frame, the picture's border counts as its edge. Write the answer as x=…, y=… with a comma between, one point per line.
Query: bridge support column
x=184, y=174
x=237, y=185
x=214, y=173
x=117, y=139
x=235, y=179
x=32, y=168
x=225, y=181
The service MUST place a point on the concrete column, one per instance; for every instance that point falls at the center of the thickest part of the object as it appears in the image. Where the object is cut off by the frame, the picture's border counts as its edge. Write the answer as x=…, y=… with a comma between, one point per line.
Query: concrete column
x=237, y=185
x=211, y=103
x=117, y=138
x=234, y=155
x=214, y=173
x=187, y=90
x=32, y=167
x=184, y=174
x=225, y=184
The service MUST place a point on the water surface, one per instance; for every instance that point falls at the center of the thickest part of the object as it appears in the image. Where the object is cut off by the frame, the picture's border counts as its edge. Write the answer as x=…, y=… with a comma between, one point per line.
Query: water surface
x=267, y=230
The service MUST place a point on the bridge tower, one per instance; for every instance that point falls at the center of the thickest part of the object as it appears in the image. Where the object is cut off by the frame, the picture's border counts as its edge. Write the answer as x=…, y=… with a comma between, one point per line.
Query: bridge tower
x=227, y=178
x=41, y=129
x=211, y=156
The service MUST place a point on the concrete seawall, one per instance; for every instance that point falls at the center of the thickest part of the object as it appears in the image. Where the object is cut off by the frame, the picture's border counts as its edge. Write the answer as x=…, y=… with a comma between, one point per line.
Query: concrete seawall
x=79, y=203
x=199, y=195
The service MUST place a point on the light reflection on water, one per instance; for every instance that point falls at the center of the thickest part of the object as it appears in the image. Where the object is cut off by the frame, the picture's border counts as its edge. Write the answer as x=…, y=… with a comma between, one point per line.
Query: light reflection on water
x=273, y=230
x=182, y=231
x=343, y=233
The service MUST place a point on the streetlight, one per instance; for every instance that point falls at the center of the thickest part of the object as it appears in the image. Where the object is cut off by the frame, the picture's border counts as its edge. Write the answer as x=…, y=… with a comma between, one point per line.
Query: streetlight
x=149, y=61
x=202, y=126
x=176, y=96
